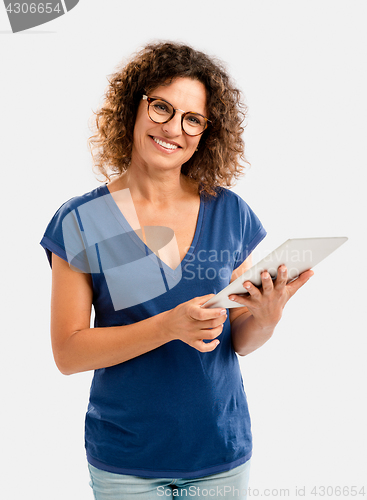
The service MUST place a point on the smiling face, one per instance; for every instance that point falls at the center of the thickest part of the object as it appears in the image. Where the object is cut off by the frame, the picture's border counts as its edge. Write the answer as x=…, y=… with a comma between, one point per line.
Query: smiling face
x=165, y=145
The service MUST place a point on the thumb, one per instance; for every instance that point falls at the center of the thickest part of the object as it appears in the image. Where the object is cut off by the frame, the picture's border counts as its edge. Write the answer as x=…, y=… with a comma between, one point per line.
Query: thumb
x=204, y=298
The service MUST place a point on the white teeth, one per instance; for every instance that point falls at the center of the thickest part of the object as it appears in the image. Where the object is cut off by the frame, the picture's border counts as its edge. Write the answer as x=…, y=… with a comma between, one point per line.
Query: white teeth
x=165, y=144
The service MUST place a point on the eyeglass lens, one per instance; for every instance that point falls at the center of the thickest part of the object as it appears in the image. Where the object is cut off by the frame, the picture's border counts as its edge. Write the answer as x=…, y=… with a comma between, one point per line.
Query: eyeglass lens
x=161, y=112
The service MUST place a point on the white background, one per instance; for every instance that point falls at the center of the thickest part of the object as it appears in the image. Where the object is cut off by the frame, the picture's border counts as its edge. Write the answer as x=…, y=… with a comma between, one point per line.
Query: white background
x=302, y=67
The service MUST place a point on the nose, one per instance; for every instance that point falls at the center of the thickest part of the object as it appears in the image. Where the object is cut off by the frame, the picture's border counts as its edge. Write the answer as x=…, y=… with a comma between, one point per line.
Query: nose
x=173, y=127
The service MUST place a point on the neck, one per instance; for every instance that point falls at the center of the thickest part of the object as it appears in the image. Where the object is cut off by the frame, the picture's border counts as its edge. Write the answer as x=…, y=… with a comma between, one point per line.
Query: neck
x=156, y=187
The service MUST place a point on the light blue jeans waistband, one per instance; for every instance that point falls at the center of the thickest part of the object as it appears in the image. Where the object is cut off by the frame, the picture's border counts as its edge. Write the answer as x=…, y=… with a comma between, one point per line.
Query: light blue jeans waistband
x=229, y=484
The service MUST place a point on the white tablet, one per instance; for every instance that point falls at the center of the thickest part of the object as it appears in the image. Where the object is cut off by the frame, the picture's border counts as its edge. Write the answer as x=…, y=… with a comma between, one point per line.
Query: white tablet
x=298, y=254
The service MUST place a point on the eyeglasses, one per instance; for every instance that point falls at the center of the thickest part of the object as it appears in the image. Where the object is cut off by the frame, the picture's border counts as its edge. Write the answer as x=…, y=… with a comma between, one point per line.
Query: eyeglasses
x=161, y=111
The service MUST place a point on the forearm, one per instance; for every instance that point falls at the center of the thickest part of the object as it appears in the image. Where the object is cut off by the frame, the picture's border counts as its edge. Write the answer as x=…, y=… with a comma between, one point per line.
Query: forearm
x=248, y=335
x=93, y=348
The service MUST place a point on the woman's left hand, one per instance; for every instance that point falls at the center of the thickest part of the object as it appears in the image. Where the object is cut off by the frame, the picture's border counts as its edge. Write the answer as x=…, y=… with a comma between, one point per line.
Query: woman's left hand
x=266, y=305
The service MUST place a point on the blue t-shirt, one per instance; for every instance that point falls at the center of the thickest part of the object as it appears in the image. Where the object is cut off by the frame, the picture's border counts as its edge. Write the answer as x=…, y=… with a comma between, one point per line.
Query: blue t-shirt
x=172, y=412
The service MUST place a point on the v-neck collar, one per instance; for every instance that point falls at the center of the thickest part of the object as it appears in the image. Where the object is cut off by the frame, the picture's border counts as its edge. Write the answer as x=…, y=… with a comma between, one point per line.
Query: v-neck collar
x=112, y=205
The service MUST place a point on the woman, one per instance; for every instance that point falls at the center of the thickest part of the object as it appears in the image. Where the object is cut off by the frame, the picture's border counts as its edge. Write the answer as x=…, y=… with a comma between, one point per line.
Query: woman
x=167, y=409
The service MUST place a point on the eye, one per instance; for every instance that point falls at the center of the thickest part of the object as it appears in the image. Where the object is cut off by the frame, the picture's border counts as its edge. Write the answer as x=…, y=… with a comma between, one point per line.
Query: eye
x=195, y=120
x=161, y=107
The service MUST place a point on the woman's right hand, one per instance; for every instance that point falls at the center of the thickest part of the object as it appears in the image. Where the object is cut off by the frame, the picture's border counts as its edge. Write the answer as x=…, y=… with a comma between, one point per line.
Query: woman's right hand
x=191, y=323
x=77, y=347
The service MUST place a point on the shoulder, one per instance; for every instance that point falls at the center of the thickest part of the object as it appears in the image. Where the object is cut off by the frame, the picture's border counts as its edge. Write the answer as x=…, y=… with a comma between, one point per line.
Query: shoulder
x=227, y=199
x=234, y=211
x=64, y=223
x=77, y=201
x=69, y=210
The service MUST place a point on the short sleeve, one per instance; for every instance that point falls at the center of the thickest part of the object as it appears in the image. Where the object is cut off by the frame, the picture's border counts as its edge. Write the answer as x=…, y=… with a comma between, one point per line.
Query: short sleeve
x=252, y=232
x=53, y=240
x=65, y=237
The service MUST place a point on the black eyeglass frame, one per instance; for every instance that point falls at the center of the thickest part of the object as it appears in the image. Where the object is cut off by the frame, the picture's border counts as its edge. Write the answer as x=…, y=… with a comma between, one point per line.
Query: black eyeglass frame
x=184, y=113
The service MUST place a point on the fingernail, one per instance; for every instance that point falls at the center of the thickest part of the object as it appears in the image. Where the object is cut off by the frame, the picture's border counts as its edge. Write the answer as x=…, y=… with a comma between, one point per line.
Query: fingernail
x=231, y=298
x=247, y=286
x=223, y=311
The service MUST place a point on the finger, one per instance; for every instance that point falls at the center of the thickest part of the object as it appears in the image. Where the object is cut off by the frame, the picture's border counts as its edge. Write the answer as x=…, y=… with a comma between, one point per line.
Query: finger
x=300, y=281
x=253, y=291
x=240, y=299
x=206, y=312
x=282, y=277
x=210, y=324
x=267, y=283
x=245, y=300
x=202, y=346
x=200, y=314
x=203, y=298
x=211, y=333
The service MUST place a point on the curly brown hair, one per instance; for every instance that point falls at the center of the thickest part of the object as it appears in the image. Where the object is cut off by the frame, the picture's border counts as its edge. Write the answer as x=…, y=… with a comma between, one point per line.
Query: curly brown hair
x=221, y=148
